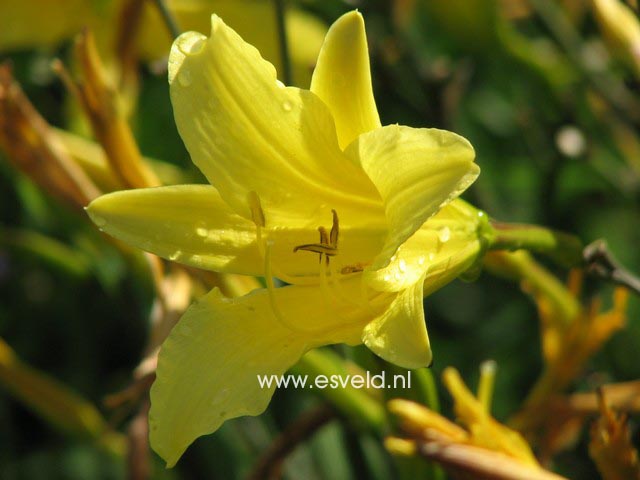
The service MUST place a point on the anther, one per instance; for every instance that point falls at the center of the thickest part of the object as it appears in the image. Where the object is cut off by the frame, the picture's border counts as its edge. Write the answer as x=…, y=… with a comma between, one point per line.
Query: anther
x=358, y=267
x=335, y=230
x=324, y=236
x=257, y=214
x=328, y=245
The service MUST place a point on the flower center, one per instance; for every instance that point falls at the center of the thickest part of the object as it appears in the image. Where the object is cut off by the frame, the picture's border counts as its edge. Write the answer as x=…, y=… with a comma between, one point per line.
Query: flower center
x=327, y=248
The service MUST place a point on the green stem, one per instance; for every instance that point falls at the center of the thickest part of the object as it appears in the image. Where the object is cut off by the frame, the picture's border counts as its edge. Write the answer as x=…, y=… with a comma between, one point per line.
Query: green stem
x=486, y=384
x=352, y=403
x=562, y=247
x=521, y=266
x=426, y=386
x=168, y=18
x=287, y=76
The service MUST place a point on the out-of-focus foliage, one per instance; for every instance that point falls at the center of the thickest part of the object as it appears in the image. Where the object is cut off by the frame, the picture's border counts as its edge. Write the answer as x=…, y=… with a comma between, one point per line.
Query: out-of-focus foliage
x=552, y=107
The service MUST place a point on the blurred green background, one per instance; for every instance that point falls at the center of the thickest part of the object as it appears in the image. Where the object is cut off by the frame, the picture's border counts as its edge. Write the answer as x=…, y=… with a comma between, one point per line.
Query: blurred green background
x=531, y=84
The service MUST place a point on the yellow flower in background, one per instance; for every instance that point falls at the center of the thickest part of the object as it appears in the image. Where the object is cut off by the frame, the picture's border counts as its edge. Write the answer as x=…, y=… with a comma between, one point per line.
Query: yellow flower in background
x=475, y=446
x=297, y=176
x=45, y=23
x=254, y=20
x=620, y=29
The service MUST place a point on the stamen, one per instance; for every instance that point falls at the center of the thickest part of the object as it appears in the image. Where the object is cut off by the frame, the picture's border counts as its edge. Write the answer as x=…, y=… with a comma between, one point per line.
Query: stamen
x=258, y=218
x=324, y=236
x=335, y=230
x=271, y=289
x=257, y=214
x=338, y=292
x=358, y=267
x=328, y=246
x=320, y=248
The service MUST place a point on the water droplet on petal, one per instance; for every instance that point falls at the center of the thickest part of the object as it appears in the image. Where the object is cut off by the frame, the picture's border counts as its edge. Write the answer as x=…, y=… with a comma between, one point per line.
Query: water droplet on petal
x=202, y=232
x=175, y=255
x=445, y=234
x=393, y=258
x=421, y=260
x=432, y=256
x=220, y=396
x=402, y=266
x=480, y=214
x=286, y=106
x=386, y=277
x=191, y=44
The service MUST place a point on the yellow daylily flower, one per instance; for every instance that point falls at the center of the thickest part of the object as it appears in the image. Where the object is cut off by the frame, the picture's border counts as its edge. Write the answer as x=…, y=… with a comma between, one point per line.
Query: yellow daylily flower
x=282, y=163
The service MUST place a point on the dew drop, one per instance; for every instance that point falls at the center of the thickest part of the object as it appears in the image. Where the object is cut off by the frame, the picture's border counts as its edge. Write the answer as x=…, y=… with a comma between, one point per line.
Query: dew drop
x=392, y=259
x=202, y=232
x=184, y=78
x=386, y=277
x=444, y=235
x=175, y=255
x=480, y=214
x=397, y=276
x=220, y=397
x=191, y=44
x=286, y=106
x=432, y=256
x=402, y=266
x=421, y=260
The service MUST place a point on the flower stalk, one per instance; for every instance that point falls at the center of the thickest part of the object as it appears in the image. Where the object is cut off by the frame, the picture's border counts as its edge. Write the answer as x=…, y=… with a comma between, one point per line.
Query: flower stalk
x=283, y=42
x=353, y=404
x=564, y=248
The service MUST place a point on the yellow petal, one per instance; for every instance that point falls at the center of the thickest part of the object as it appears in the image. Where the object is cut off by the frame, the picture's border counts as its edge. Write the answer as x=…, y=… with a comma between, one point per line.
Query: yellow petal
x=249, y=134
x=416, y=171
x=208, y=366
x=191, y=224
x=342, y=78
x=399, y=334
x=444, y=247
